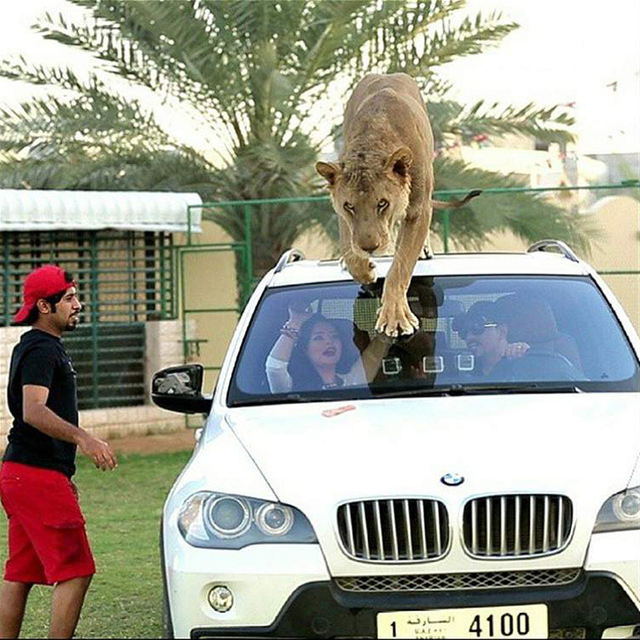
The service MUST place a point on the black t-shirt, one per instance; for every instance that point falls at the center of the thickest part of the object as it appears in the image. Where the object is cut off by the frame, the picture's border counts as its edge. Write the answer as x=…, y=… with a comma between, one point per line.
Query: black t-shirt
x=40, y=359
x=502, y=371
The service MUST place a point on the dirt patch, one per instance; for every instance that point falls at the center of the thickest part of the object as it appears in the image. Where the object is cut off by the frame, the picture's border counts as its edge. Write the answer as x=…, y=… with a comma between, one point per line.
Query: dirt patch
x=183, y=440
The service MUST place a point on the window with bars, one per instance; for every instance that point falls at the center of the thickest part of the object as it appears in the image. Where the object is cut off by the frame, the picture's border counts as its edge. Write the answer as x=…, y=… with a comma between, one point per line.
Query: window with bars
x=124, y=279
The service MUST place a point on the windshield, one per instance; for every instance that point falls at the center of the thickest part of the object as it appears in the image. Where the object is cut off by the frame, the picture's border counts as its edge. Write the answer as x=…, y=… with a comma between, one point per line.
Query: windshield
x=477, y=334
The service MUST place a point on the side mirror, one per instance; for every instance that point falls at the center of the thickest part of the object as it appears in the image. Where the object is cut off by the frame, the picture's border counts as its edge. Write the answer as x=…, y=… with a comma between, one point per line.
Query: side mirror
x=180, y=389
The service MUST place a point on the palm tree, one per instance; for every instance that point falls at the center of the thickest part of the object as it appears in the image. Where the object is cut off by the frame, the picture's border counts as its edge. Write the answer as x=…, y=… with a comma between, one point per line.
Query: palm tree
x=254, y=77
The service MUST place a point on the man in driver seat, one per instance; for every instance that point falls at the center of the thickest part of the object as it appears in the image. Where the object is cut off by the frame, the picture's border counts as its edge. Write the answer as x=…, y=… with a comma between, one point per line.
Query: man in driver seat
x=485, y=330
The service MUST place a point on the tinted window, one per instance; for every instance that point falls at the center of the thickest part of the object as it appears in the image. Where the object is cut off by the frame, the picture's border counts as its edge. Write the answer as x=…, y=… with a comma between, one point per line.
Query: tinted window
x=476, y=333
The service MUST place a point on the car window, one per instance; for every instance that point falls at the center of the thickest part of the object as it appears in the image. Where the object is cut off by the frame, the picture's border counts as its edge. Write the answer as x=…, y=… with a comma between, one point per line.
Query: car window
x=475, y=333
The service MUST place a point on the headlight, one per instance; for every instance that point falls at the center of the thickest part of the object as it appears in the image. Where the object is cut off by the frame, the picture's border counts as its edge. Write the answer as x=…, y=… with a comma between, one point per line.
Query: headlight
x=274, y=519
x=621, y=511
x=223, y=521
x=227, y=516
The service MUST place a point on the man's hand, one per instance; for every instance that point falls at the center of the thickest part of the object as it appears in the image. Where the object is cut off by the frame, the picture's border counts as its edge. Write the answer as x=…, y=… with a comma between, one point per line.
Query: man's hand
x=516, y=350
x=99, y=451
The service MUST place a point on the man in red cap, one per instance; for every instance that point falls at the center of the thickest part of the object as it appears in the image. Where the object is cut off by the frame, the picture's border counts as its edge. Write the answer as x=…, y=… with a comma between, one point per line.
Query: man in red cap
x=47, y=539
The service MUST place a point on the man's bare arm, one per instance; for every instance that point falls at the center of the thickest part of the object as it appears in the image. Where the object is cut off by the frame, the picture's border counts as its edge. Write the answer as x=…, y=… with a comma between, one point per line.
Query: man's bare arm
x=36, y=413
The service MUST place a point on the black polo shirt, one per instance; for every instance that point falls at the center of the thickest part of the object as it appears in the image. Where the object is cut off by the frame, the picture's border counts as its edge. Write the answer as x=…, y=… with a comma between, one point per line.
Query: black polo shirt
x=40, y=359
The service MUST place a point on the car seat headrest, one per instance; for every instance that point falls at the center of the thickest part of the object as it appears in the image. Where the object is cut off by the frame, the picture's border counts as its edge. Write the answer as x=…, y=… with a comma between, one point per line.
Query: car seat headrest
x=530, y=320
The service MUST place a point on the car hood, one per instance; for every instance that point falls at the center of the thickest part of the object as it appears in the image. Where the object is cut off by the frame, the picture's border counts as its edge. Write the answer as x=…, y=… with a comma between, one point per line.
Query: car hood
x=315, y=456
x=538, y=442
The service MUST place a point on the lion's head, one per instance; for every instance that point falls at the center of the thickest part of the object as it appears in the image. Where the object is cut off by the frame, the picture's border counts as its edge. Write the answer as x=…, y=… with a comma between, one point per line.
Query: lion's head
x=371, y=195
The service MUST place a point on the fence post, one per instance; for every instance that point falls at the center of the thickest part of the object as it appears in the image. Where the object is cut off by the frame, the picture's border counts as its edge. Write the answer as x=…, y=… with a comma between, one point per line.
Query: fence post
x=248, y=255
x=163, y=286
x=7, y=266
x=94, y=297
x=189, y=225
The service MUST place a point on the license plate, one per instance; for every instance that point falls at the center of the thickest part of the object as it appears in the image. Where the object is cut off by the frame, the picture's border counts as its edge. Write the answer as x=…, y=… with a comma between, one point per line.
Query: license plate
x=527, y=621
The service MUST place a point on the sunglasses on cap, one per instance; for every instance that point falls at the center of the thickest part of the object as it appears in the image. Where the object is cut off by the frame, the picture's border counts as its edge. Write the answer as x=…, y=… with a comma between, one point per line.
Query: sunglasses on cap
x=474, y=326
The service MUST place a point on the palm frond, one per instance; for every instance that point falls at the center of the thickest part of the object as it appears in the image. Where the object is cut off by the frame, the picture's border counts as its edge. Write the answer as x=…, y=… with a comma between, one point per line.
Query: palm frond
x=550, y=124
x=471, y=36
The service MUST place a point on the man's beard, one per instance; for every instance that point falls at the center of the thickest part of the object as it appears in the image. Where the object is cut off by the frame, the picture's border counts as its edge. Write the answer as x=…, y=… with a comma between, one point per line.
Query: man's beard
x=72, y=323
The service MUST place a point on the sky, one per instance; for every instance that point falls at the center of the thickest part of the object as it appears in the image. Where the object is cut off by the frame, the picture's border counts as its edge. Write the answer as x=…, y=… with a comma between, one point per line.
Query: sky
x=566, y=51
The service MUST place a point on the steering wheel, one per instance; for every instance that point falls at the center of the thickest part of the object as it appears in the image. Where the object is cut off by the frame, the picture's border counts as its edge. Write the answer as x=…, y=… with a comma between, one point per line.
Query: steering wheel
x=567, y=368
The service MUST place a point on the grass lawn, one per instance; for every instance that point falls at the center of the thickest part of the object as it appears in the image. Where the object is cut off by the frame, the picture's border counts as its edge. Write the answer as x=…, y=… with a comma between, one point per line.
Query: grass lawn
x=123, y=510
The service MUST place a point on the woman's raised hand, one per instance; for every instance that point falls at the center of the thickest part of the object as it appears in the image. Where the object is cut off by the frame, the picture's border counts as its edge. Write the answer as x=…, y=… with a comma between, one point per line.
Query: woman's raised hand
x=299, y=313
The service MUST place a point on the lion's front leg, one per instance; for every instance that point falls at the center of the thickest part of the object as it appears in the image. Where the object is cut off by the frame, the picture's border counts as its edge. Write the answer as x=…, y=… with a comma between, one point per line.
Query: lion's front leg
x=395, y=316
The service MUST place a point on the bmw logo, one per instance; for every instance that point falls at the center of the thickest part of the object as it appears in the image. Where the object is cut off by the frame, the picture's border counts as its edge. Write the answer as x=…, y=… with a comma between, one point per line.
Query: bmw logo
x=452, y=479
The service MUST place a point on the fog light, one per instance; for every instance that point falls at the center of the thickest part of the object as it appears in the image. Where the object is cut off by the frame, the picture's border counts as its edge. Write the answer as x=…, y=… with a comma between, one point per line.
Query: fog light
x=221, y=599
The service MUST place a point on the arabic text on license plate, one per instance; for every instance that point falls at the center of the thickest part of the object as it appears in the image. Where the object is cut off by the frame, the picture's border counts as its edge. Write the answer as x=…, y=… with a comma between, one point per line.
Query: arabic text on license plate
x=526, y=621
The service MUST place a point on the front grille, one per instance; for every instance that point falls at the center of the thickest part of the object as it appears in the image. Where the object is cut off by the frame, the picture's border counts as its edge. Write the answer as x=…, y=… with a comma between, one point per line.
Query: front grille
x=459, y=581
x=517, y=525
x=394, y=530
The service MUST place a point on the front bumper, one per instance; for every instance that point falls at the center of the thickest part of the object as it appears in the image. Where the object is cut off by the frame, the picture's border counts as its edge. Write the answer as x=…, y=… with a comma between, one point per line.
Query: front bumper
x=286, y=590
x=262, y=579
x=587, y=607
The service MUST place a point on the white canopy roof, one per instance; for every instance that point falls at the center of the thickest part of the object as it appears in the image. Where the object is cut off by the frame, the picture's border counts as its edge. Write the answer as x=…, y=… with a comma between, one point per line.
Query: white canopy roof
x=32, y=210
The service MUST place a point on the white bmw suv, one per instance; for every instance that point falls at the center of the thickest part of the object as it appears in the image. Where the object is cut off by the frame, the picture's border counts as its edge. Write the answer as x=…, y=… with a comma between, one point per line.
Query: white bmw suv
x=477, y=479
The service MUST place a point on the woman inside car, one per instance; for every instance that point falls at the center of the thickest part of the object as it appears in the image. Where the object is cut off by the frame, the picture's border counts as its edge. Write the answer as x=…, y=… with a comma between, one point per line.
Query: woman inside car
x=310, y=355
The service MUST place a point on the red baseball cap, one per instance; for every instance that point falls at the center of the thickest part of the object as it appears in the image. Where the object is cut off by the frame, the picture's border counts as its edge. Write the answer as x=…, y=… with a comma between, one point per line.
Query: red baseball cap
x=43, y=282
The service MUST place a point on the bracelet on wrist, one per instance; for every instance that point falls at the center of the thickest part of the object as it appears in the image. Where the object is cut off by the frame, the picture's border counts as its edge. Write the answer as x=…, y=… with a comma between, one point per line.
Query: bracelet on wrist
x=292, y=334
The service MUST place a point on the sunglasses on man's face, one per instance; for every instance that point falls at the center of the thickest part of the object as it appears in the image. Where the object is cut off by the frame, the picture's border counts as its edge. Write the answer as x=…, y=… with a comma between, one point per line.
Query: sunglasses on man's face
x=475, y=327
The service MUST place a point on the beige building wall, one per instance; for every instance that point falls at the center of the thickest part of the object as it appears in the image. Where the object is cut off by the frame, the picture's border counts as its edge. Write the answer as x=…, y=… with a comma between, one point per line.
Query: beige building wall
x=616, y=247
x=617, y=219
x=208, y=268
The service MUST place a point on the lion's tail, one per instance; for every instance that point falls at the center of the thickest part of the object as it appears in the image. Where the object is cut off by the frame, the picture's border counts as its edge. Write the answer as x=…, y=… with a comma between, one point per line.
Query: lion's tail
x=454, y=204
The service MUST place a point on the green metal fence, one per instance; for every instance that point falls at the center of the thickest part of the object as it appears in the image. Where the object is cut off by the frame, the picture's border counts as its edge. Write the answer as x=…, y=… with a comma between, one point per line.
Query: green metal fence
x=109, y=362
x=191, y=344
x=124, y=278
x=244, y=211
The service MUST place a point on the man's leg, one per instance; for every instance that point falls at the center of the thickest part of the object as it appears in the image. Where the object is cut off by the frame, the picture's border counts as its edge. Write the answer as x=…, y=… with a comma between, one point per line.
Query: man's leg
x=66, y=604
x=13, y=600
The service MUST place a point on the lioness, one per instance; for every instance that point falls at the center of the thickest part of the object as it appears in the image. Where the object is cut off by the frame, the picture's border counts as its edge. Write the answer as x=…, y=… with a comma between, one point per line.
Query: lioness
x=384, y=177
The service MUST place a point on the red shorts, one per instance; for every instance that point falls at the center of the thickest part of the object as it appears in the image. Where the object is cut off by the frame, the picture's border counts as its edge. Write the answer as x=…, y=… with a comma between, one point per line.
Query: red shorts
x=47, y=538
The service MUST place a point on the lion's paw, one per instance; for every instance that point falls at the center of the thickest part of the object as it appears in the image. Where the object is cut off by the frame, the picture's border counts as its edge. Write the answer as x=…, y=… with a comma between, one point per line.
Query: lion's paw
x=361, y=269
x=395, y=318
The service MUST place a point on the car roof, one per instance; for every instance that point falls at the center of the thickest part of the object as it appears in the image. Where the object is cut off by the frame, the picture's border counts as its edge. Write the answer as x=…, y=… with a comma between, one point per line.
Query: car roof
x=449, y=264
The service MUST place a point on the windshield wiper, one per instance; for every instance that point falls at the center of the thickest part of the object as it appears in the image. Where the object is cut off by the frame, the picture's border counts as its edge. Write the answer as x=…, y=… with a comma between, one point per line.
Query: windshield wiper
x=479, y=389
x=281, y=398
x=417, y=392
x=516, y=388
